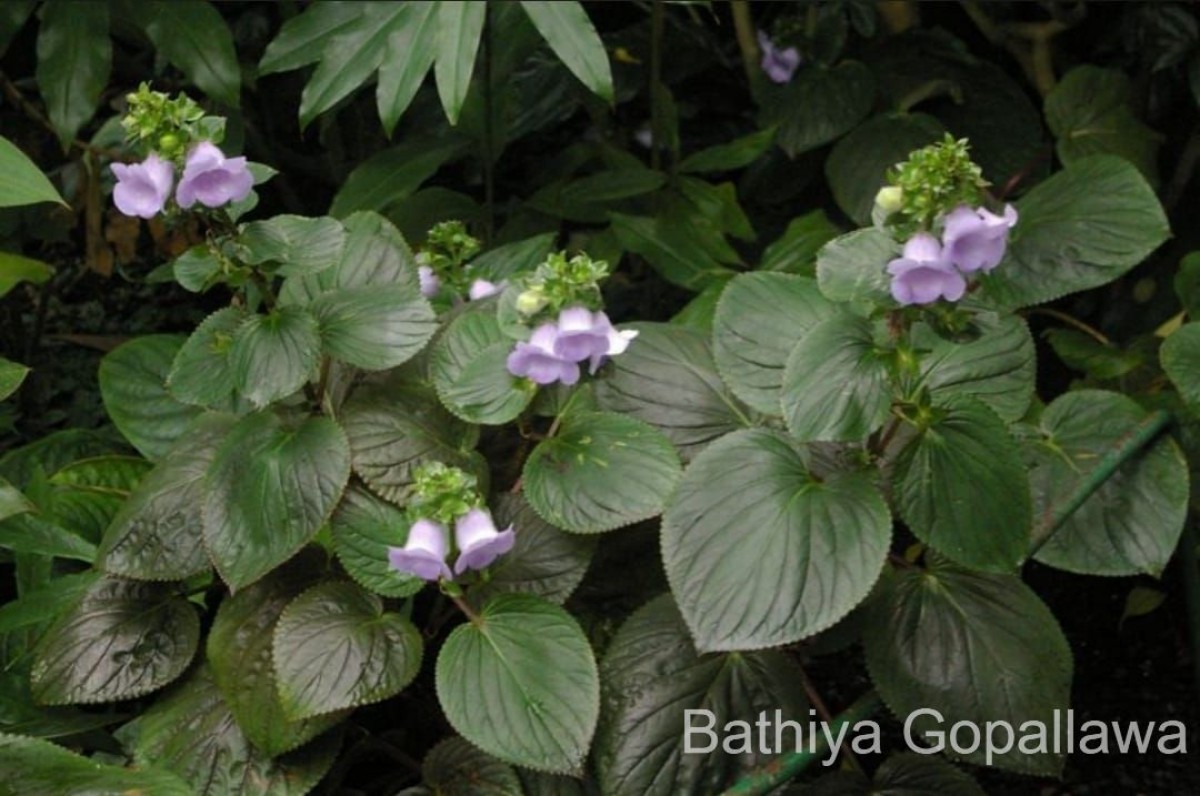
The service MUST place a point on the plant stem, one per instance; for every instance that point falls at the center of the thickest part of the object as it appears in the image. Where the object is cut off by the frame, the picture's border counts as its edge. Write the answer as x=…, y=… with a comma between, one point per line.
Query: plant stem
x=489, y=146
x=823, y=713
x=466, y=609
x=657, y=23
x=1071, y=320
x=743, y=27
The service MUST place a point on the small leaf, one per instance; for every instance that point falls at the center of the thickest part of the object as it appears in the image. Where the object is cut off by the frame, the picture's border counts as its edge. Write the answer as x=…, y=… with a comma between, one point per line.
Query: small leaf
x=74, y=60
x=374, y=327
x=39, y=534
x=121, y=641
x=566, y=28
x=193, y=36
x=455, y=768
x=853, y=267
x=302, y=38
x=11, y=376
x=46, y=603
x=795, y=251
x=520, y=682
x=469, y=367
x=197, y=269
x=736, y=154
x=511, y=259
x=21, y=183
x=300, y=245
x=393, y=174
x=275, y=355
x=820, y=105
x=35, y=766
x=1180, y=357
x=459, y=30
x=202, y=374
x=133, y=380
x=670, y=249
x=363, y=528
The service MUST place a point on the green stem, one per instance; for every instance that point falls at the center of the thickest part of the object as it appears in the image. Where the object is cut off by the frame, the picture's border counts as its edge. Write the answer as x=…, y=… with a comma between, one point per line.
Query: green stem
x=657, y=23
x=1191, y=590
x=785, y=767
x=489, y=146
x=743, y=26
x=1134, y=442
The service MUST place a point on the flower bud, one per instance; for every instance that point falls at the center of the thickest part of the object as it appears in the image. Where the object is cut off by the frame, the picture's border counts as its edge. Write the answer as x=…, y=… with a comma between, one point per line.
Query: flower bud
x=531, y=302
x=889, y=199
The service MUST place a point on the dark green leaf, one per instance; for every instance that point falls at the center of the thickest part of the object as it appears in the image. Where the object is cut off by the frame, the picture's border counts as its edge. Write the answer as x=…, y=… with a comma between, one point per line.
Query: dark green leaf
x=459, y=31
x=455, y=768
x=670, y=249
x=411, y=47
x=395, y=173
x=46, y=603
x=74, y=60
x=374, y=327
x=274, y=355
x=33, y=766
x=795, y=251
x=40, y=534
x=133, y=380
x=302, y=38
x=566, y=28
x=1180, y=356
x=821, y=104
x=202, y=374
x=193, y=36
x=469, y=365
x=197, y=269
x=21, y=183
x=363, y=528
x=509, y=260
x=998, y=367
x=300, y=245
x=853, y=267
x=736, y=154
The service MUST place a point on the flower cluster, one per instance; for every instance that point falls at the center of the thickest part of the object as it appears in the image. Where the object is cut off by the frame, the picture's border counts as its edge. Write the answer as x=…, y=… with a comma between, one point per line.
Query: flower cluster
x=931, y=181
x=443, y=263
x=209, y=178
x=555, y=350
x=443, y=496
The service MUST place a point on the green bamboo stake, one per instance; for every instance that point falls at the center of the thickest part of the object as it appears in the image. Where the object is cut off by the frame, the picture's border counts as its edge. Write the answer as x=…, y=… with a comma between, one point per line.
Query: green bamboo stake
x=786, y=767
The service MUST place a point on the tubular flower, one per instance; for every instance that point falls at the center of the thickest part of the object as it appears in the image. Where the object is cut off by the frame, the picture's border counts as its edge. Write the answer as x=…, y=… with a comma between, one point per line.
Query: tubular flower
x=976, y=239
x=923, y=274
x=142, y=188
x=779, y=64
x=430, y=283
x=424, y=554
x=589, y=335
x=482, y=288
x=479, y=543
x=212, y=179
x=537, y=360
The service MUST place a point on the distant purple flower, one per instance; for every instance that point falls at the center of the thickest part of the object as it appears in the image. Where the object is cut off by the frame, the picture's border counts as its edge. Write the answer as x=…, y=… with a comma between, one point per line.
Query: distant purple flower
x=779, y=64
x=482, y=288
x=923, y=274
x=479, y=543
x=430, y=284
x=142, y=188
x=424, y=554
x=975, y=240
x=589, y=335
x=212, y=179
x=538, y=361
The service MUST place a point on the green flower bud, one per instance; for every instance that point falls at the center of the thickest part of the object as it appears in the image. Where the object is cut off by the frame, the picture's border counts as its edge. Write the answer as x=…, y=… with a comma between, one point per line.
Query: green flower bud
x=889, y=198
x=531, y=302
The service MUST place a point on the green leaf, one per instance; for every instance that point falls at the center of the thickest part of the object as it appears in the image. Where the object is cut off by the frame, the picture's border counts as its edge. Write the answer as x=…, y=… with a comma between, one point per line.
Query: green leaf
x=668, y=379
x=857, y=166
x=192, y=733
x=599, y=472
x=759, y=320
x=821, y=104
x=11, y=376
x=469, y=367
x=395, y=427
x=12, y=501
x=133, y=380
x=275, y=355
x=350, y=56
x=520, y=682
x=38, y=534
x=375, y=254
x=459, y=31
x=835, y=384
x=1082, y=228
x=240, y=653
x=15, y=269
x=74, y=60
x=47, y=602
x=411, y=47
x=302, y=38
x=192, y=35
x=35, y=766
x=795, y=251
x=717, y=205
x=55, y=451
x=1132, y=523
x=300, y=245
x=853, y=267
x=761, y=552
x=566, y=28
x=197, y=269
x=116, y=475
x=998, y=367
x=961, y=487
x=392, y=174
x=651, y=675
x=698, y=313
x=1140, y=601
x=736, y=154
x=677, y=255
x=511, y=259
x=374, y=327
x=976, y=647
x=455, y=768
x=904, y=774
x=1187, y=281
x=202, y=374
x=588, y=198
x=121, y=641
x=335, y=648
x=544, y=560
x=21, y=183
x=271, y=487
x=13, y=16
x=363, y=528
x=157, y=534
x=1180, y=357
x=1090, y=112
x=1080, y=351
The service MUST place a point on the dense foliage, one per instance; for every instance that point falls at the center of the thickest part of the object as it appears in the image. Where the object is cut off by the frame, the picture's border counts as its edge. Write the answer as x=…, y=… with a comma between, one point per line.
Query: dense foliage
x=541, y=373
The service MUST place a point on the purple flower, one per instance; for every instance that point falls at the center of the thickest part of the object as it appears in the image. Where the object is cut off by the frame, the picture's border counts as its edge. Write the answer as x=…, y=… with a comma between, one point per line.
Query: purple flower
x=588, y=335
x=142, y=188
x=479, y=543
x=482, y=288
x=975, y=240
x=430, y=284
x=424, y=554
x=212, y=179
x=538, y=361
x=779, y=64
x=923, y=274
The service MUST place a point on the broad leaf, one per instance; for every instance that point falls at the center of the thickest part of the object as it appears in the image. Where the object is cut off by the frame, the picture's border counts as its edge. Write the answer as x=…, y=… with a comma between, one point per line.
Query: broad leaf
x=271, y=487
x=795, y=251
x=303, y=37
x=599, y=472
x=202, y=374
x=74, y=60
x=566, y=28
x=520, y=682
x=469, y=365
x=455, y=768
x=39, y=534
x=511, y=259
x=197, y=269
x=961, y=487
x=375, y=254
x=35, y=766
x=678, y=256
x=300, y=245
x=760, y=552
x=853, y=267
x=363, y=528
x=904, y=774
x=274, y=355
x=1132, y=523
x=1180, y=357
x=193, y=36
x=46, y=603
x=393, y=174
x=821, y=104
x=21, y=183
x=976, y=647
x=133, y=380
x=336, y=648
x=121, y=641
x=410, y=49
x=15, y=269
x=374, y=327
x=651, y=676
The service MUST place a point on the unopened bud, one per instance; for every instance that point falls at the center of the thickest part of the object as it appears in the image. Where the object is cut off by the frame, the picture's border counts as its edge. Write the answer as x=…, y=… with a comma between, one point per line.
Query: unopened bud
x=889, y=198
x=531, y=302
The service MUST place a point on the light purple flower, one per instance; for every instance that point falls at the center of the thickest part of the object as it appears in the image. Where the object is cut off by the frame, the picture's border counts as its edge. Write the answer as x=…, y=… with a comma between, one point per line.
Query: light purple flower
x=482, y=288
x=142, y=188
x=479, y=543
x=212, y=179
x=424, y=554
x=923, y=274
x=430, y=284
x=589, y=335
x=537, y=360
x=975, y=240
x=779, y=64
